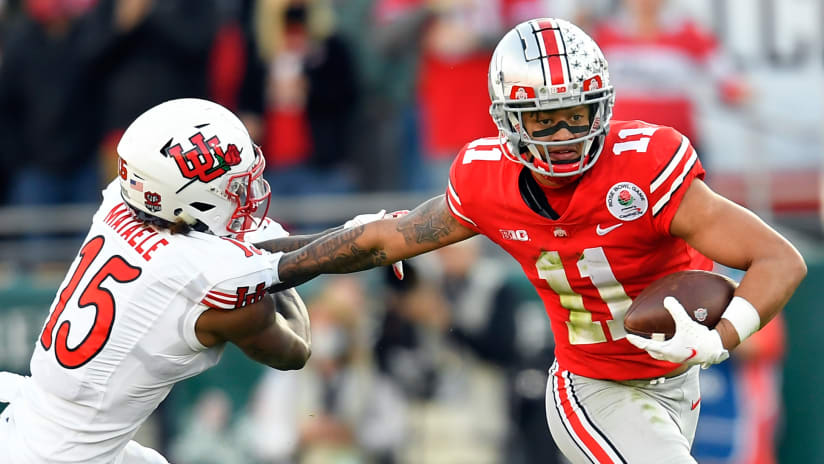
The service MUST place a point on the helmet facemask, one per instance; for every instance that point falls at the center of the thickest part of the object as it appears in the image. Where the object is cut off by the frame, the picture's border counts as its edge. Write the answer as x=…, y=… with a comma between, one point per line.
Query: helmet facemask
x=535, y=153
x=251, y=194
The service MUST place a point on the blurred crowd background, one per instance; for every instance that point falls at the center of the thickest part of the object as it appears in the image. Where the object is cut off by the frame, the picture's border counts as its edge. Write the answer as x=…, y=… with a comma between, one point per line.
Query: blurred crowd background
x=361, y=105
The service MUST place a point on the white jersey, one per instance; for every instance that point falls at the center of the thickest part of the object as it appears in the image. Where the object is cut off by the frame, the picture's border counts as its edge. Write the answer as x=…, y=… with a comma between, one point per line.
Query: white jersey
x=121, y=332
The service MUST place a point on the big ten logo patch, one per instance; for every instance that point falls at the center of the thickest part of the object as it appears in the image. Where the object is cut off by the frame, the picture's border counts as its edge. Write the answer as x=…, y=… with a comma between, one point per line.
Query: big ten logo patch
x=519, y=235
x=245, y=298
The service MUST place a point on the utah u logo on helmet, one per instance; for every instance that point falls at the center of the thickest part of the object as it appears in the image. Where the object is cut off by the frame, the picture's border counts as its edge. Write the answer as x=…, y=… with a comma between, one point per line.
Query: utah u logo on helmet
x=199, y=162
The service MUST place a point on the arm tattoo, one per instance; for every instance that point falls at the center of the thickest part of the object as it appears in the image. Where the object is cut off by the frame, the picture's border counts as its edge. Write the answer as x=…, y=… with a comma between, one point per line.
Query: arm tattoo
x=336, y=253
x=427, y=227
x=429, y=222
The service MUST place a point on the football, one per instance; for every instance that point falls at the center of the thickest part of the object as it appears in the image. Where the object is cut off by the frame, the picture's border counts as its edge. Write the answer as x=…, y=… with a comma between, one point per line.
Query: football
x=705, y=295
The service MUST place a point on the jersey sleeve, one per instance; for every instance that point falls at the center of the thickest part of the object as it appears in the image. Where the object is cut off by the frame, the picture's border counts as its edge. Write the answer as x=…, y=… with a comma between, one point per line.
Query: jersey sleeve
x=238, y=292
x=242, y=279
x=676, y=165
x=460, y=190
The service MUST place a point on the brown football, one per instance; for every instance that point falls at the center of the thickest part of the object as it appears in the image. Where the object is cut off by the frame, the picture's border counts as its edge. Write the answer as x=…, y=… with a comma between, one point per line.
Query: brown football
x=703, y=294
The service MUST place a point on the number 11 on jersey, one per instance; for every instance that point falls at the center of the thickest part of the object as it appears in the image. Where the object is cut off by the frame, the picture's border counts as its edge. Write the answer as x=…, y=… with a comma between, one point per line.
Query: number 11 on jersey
x=594, y=265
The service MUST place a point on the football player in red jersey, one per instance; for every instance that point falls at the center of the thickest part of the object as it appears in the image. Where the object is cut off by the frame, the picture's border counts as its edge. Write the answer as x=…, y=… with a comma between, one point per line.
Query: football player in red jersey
x=594, y=210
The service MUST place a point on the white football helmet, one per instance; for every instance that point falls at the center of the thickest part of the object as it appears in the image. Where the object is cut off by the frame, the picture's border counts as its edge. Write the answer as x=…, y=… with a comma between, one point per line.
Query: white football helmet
x=193, y=160
x=546, y=64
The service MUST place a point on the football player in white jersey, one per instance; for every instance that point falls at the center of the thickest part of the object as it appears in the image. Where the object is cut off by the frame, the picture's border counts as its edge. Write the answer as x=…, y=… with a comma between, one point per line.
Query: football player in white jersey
x=162, y=281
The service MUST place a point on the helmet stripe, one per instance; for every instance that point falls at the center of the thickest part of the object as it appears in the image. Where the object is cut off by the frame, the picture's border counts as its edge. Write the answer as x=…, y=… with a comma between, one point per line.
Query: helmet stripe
x=552, y=47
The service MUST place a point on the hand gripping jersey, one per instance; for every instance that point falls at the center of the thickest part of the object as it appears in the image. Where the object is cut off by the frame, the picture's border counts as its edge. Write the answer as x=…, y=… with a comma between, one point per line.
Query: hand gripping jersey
x=121, y=332
x=609, y=244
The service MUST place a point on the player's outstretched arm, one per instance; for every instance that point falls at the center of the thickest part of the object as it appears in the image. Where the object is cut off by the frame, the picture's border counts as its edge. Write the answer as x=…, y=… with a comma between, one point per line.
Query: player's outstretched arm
x=273, y=331
x=379, y=243
x=293, y=242
x=279, y=243
x=735, y=237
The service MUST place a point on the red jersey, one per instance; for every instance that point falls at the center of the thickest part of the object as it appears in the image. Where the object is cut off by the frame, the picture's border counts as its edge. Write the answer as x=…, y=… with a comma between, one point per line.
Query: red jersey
x=610, y=242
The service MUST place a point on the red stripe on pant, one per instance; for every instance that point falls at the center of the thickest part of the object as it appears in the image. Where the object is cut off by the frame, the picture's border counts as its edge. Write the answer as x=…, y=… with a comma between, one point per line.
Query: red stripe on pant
x=575, y=421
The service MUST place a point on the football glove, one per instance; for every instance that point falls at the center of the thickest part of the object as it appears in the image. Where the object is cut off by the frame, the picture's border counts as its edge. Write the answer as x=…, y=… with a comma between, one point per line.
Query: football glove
x=691, y=344
x=267, y=230
x=362, y=219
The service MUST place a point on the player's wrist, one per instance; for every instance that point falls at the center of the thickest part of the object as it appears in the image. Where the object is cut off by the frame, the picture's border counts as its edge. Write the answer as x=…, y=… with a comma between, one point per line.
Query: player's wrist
x=743, y=317
x=274, y=261
x=728, y=334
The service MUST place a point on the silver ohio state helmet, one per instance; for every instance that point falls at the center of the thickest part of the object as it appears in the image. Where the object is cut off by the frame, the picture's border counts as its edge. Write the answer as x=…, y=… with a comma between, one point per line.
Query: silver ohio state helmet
x=547, y=64
x=193, y=160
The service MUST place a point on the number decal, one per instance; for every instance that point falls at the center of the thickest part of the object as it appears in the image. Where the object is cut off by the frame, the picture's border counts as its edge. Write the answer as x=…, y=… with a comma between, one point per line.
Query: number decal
x=594, y=265
x=581, y=328
x=124, y=173
x=93, y=295
x=87, y=255
x=482, y=150
x=638, y=145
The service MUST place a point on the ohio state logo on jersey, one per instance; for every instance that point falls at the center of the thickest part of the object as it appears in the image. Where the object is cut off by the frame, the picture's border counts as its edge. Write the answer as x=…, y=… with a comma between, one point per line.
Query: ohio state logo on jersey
x=206, y=161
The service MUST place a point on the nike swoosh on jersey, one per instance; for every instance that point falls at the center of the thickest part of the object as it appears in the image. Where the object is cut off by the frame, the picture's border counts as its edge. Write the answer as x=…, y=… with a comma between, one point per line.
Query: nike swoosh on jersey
x=695, y=405
x=692, y=354
x=606, y=230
